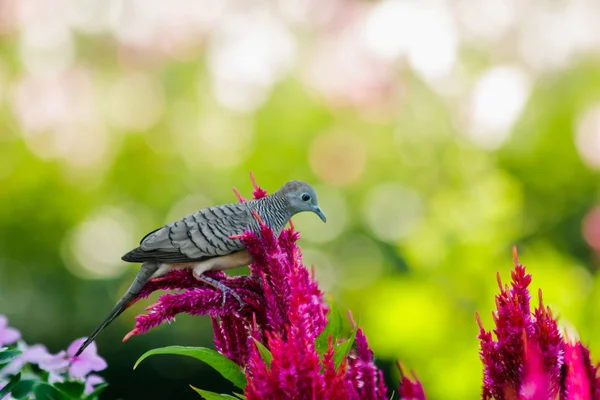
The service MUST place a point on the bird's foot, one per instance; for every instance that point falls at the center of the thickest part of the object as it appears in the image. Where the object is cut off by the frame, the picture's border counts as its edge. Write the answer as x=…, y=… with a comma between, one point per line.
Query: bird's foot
x=218, y=285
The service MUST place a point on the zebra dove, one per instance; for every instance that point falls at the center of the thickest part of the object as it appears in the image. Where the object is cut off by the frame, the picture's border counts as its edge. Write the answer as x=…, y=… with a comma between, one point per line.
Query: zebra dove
x=206, y=241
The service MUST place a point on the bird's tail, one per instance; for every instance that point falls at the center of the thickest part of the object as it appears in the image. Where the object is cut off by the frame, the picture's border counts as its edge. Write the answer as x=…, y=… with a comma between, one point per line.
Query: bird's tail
x=143, y=276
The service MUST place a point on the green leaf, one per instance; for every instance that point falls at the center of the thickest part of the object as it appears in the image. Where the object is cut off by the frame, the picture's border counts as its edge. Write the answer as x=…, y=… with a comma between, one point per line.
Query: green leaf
x=10, y=385
x=7, y=356
x=73, y=389
x=265, y=353
x=230, y=370
x=341, y=352
x=94, y=395
x=43, y=391
x=212, y=395
x=333, y=329
x=23, y=388
x=239, y=395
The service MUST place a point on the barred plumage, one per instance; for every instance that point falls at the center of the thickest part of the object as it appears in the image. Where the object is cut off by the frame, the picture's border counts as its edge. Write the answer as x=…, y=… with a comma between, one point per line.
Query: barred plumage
x=207, y=233
x=205, y=240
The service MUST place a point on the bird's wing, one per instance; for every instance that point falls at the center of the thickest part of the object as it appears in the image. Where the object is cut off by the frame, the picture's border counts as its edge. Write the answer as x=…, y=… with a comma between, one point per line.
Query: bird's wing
x=196, y=237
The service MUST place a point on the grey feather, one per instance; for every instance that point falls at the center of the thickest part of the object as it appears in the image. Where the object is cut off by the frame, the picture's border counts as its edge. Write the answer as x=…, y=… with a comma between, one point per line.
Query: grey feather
x=140, y=280
x=207, y=234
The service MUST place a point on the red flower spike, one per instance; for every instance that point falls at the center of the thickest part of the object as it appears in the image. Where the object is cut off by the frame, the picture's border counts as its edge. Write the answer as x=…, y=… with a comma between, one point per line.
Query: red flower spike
x=363, y=371
x=131, y=333
x=283, y=309
x=351, y=318
x=259, y=219
x=582, y=380
x=409, y=389
x=258, y=192
x=530, y=359
x=535, y=385
x=238, y=195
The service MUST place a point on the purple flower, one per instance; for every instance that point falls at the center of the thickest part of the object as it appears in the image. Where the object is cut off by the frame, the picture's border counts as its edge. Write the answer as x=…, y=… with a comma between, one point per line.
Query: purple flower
x=31, y=354
x=8, y=335
x=77, y=367
x=7, y=397
x=56, y=365
x=91, y=382
x=85, y=363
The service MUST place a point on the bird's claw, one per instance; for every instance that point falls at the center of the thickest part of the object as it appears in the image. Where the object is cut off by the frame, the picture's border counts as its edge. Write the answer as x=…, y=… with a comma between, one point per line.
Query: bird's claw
x=224, y=289
x=234, y=295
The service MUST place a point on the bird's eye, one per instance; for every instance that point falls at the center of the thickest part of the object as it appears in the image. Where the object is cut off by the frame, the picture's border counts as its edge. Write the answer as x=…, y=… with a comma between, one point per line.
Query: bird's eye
x=306, y=197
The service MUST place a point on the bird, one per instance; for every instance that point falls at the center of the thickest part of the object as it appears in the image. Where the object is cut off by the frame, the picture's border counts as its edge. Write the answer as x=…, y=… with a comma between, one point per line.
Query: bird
x=209, y=240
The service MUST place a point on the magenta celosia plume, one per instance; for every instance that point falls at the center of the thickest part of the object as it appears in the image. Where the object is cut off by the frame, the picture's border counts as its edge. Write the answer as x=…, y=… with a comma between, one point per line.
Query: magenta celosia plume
x=410, y=389
x=283, y=309
x=530, y=359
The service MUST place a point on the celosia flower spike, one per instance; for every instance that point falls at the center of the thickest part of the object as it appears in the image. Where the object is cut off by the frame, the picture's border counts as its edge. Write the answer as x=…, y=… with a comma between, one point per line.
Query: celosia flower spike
x=410, y=389
x=284, y=311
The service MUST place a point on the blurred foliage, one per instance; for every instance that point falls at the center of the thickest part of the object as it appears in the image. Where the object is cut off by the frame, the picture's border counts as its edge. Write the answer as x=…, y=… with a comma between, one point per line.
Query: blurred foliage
x=123, y=137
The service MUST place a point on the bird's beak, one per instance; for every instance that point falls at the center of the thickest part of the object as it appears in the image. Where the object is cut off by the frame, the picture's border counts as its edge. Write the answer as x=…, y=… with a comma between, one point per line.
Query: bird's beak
x=320, y=214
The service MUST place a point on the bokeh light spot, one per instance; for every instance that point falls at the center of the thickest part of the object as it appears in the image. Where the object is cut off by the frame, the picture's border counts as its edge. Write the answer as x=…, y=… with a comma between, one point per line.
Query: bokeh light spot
x=246, y=55
x=359, y=263
x=97, y=244
x=45, y=103
x=423, y=31
x=487, y=19
x=338, y=158
x=218, y=139
x=392, y=211
x=135, y=101
x=47, y=48
x=496, y=103
x=587, y=136
x=325, y=272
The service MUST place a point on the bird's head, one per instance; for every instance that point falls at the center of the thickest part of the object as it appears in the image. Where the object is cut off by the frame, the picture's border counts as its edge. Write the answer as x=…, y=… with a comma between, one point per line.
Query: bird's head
x=302, y=197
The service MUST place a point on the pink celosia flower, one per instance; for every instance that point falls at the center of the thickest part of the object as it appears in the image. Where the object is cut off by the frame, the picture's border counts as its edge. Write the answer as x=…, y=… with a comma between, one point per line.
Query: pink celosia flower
x=535, y=385
x=284, y=310
x=8, y=335
x=362, y=371
x=410, y=389
x=529, y=359
x=582, y=380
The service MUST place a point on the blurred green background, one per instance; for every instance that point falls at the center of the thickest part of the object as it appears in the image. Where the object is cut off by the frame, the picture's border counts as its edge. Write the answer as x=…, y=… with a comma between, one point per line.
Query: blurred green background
x=437, y=133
